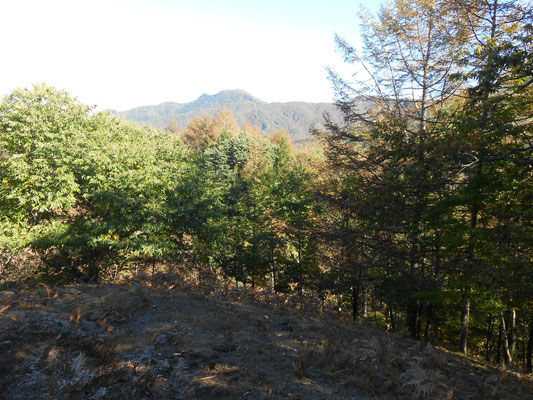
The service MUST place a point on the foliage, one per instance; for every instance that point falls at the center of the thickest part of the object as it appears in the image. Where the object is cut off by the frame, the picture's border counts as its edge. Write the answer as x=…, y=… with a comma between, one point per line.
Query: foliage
x=71, y=189
x=414, y=215
x=431, y=180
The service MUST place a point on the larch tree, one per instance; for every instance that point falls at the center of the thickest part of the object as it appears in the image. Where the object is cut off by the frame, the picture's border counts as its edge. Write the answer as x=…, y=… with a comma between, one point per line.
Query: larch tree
x=199, y=132
x=224, y=121
x=393, y=115
x=493, y=130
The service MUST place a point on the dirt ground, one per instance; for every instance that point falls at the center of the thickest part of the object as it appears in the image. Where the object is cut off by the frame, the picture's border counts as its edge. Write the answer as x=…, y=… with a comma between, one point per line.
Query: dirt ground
x=135, y=342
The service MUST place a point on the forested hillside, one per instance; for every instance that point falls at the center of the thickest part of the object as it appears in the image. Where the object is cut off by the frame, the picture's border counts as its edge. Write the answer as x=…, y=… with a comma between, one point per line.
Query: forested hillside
x=415, y=213
x=294, y=117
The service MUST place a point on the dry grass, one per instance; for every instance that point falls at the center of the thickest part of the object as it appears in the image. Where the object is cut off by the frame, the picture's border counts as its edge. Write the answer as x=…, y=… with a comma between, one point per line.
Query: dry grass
x=138, y=342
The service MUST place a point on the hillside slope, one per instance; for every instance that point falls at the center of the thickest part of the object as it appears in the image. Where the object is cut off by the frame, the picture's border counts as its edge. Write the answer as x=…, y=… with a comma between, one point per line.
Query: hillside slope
x=133, y=342
x=295, y=117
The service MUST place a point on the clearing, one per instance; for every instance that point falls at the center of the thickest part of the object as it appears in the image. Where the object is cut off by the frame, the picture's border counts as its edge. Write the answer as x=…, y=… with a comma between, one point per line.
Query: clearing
x=135, y=342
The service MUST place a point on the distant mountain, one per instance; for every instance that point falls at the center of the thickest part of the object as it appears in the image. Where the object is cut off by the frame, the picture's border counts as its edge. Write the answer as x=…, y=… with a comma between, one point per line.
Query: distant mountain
x=295, y=117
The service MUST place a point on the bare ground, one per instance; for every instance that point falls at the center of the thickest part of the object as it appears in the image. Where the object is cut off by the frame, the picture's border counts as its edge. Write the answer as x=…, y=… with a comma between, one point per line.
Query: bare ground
x=135, y=342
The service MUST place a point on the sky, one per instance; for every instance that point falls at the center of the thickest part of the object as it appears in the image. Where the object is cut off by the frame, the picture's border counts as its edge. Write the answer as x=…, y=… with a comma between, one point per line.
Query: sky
x=120, y=54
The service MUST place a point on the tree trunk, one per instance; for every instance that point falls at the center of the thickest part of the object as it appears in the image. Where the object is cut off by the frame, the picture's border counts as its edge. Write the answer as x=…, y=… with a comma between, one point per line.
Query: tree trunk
x=498, y=354
x=356, y=290
x=419, y=323
x=272, y=269
x=507, y=357
x=300, y=272
x=529, y=352
x=355, y=301
x=254, y=261
x=392, y=322
x=364, y=304
x=488, y=346
x=273, y=279
x=339, y=304
x=93, y=272
x=412, y=310
x=465, y=321
x=429, y=316
x=153, y=270
x=511, y=329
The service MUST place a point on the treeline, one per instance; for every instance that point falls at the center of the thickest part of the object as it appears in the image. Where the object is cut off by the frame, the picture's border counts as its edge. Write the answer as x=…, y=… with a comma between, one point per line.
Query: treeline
x=416, y=213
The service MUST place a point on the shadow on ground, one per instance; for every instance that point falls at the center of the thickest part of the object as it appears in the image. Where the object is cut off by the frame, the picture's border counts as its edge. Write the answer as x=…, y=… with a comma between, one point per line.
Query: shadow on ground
x=135, y=342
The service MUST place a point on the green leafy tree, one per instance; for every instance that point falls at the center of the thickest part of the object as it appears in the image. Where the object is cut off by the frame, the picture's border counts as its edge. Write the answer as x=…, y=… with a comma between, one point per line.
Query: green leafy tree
x=70, y=183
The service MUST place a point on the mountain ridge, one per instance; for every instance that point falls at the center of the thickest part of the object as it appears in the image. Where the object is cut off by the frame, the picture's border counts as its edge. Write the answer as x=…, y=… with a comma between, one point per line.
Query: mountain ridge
x=294, y=116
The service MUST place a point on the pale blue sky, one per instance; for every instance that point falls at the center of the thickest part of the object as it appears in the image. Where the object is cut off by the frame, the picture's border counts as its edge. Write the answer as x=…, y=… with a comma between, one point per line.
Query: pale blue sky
x=121, y=54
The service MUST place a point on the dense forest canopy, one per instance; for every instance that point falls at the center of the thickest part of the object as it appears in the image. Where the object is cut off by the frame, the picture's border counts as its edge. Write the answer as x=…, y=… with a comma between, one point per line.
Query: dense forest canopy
x=415, y=213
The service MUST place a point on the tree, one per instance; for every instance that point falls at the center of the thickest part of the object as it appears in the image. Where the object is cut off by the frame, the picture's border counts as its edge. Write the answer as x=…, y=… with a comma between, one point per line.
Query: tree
x=204, y=131
x=68, y=183
x=174, y=128
x=253, y=130
x=392, y=119
x=34, y=123
x=494, y=130
x=199, y=133
x=36, y=181
x=224, y=121
x=432, y=166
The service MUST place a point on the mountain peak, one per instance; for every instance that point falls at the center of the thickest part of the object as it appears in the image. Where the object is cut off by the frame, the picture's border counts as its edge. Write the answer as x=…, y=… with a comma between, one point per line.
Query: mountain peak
x=234, y=92
x=228, y=97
